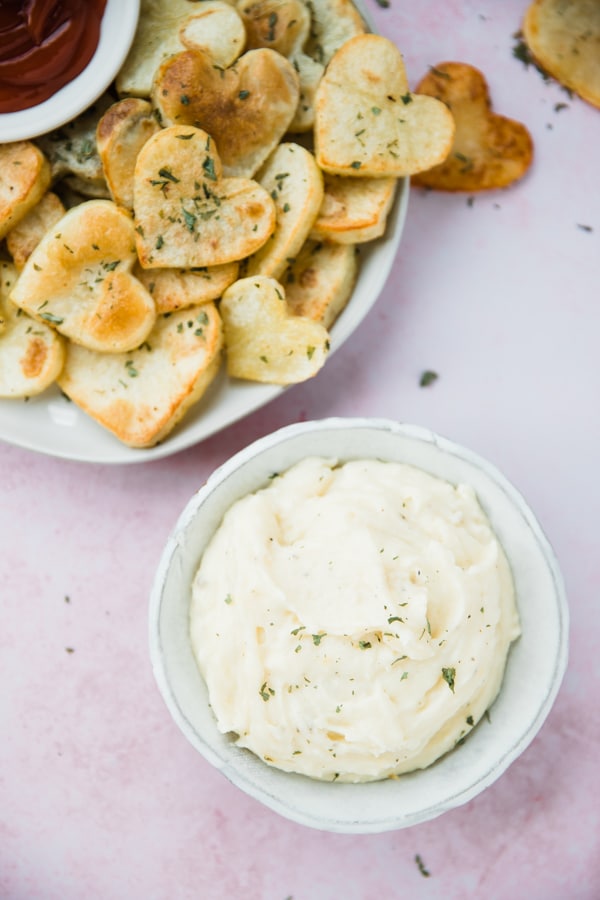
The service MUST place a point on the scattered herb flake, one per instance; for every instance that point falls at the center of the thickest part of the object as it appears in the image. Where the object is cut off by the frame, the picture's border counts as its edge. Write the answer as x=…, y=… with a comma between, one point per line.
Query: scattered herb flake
x=421, y=866
x=209, y=168
x=272, y=23
x=266, y=692
x=439, y=73
x=356, y=164
x=317, y=638
x=364, y=645
x=243, y=95
x=449, y=675
x=522, y=52
x=587, y=228
x=49, y=317
x=428, y=377
x=228, y=599
x=166, y=173
x=189, y=220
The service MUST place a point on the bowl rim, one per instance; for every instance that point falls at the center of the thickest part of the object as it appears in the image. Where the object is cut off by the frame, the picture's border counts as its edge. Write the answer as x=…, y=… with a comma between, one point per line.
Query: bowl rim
x=240, y=776
x=117, y=31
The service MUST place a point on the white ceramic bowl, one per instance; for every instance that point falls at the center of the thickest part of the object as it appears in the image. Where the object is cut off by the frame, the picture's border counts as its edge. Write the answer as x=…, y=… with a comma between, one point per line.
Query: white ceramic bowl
x=536, y=663
x=118, y=29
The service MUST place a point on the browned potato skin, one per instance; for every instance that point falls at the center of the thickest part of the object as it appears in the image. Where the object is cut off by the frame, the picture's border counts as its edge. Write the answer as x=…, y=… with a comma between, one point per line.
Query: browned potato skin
x=489, y=151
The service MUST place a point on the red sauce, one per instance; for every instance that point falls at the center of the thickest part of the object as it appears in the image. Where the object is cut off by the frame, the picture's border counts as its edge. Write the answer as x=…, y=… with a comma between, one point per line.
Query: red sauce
x=44, y=44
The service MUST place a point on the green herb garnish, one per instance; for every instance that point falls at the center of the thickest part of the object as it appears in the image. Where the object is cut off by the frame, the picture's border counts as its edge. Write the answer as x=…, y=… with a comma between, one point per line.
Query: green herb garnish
x=449, y=675
x=428, y=377
x=209, y=168
x=49, y=317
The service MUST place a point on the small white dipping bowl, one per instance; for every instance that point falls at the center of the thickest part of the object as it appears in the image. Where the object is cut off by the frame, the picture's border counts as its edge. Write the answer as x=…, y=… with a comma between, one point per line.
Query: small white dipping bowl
x=536, y=662
x=116, y=36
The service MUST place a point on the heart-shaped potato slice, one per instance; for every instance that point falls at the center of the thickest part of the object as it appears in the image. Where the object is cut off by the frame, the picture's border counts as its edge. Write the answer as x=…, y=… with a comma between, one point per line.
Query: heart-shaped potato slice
x=354, y=210
x=216, y=29
x=24, y=179
x=564, y=39
x=264, y=340
x=367, y=121
x=159, y=34
x=246, y=108
x=489, y=151
x=295, y=183
x=285, y=26
x=121, y=133
x=22, y=240
x=333, y=22
x=140, y=396
x=320, y=282
x=174, y=289
x=78, y=280
x=187, y=215
x=31, y=354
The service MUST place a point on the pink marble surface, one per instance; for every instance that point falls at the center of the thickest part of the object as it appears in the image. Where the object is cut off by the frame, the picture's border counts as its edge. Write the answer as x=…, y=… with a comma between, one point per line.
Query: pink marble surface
x=101, y=797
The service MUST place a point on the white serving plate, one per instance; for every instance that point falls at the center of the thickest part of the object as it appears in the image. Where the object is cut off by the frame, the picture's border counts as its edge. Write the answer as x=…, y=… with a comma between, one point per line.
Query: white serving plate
x=536, y=663
x=119, y=23
x=51, y=424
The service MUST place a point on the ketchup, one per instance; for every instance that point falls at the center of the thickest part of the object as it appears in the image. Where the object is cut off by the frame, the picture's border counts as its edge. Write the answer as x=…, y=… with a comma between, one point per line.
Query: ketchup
x=44, y=44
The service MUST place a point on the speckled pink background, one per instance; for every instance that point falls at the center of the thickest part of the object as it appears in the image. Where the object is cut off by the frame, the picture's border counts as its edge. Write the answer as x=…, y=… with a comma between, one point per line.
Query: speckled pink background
x=101, y=797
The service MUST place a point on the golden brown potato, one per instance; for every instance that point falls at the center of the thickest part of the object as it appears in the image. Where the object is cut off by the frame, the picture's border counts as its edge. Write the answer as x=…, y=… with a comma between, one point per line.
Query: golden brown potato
x=333, y=22
x=78, y=280
x=564, y=39
x=319, y=283
x=264, y=340
x=368, y=124
x=141, y=395
x=354, y=210
x=246, y=108
x=22, y=240
x=295, y=182
x=489, y=151
x=121, y=133
x=174, y=289
x=217, y=29
x=186, y=214
x=285, y=26
x=24, y=179
x=31, y=353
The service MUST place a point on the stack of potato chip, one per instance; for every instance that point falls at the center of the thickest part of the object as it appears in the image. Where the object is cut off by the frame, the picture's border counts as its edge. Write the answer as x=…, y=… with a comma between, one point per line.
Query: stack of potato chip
x=218, y=203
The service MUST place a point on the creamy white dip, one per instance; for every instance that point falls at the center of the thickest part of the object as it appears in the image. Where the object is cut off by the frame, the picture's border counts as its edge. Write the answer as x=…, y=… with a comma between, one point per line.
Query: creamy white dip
x=353, y=621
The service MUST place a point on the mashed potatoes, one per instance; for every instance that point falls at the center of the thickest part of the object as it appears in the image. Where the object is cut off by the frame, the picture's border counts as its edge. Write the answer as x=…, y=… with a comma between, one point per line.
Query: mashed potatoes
x=353, y=621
